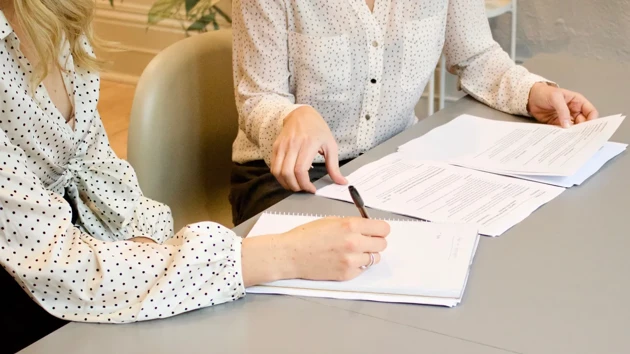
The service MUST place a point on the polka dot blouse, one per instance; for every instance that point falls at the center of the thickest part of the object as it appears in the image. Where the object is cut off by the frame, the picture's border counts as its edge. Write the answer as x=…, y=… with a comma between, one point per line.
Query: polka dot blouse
x=89, y=271
x=362, y=71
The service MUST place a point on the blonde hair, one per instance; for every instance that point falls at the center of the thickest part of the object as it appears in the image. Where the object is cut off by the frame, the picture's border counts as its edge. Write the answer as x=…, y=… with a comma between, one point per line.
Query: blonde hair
x=47, y=21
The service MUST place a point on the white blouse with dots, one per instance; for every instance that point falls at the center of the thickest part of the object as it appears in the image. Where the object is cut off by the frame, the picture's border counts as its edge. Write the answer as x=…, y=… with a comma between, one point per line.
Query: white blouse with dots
x=363, y=71
x=90, y=271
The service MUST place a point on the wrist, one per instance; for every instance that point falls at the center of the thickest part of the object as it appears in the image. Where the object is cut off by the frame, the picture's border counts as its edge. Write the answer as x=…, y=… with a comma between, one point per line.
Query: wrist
x=286, y=253
x=532, y=91
x=266, y=259
x=297, y=113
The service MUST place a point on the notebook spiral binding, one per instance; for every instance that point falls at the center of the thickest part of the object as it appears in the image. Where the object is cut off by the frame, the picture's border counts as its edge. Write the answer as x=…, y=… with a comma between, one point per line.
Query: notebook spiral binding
x=337, y=216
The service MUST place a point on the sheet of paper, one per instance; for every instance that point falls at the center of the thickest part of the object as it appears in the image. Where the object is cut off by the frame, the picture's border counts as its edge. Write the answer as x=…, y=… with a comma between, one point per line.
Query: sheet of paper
x=440, y=192
x=421, y=259
x=514, y=148
x=346, y=295
x=605, y=154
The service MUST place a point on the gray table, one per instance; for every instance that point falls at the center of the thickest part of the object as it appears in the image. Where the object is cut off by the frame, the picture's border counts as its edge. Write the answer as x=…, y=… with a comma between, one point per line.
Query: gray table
x=555, y=283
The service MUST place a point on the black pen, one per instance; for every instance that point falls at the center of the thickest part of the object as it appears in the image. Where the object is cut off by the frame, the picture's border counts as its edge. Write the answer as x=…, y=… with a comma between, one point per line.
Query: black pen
x=358, y=201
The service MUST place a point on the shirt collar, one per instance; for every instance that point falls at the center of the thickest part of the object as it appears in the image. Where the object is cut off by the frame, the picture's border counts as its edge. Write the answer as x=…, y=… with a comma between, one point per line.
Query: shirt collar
x=5, y=27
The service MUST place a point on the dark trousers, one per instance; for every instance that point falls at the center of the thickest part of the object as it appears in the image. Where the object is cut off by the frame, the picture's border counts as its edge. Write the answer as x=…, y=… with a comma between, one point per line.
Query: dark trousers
x=22, y=320
x=255, y=189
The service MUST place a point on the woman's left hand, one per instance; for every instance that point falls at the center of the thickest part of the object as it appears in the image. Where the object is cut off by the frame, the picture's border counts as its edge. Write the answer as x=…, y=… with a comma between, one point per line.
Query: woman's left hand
x=552, y=105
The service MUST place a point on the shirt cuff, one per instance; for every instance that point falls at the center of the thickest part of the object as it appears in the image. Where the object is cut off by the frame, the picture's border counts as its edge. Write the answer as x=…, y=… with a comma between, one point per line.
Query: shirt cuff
x=237, y=265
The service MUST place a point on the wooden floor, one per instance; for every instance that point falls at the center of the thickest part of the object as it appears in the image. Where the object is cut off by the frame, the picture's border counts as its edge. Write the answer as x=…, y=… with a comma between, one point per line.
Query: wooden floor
x=115, y=107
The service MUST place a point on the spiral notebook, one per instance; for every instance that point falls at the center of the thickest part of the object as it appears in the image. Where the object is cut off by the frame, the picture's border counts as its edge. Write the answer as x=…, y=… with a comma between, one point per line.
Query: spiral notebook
x=424, y=263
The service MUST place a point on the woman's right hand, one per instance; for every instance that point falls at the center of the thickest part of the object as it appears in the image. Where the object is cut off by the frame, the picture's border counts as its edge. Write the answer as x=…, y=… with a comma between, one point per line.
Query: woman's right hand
x=326, y=249
x=336, y=248
x=304, y=135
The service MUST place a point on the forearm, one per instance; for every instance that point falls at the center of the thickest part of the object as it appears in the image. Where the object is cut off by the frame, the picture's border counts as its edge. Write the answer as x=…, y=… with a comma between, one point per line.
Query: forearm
x=261, y=74
x=485, y=70
x=266, y=259
x=495, y=80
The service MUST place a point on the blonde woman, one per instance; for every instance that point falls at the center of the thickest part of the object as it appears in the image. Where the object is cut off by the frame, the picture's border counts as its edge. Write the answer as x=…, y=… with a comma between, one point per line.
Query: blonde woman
x=76, y=233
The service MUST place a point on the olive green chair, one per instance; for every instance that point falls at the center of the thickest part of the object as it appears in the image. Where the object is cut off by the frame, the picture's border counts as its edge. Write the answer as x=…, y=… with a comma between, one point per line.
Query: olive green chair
x=183, y=123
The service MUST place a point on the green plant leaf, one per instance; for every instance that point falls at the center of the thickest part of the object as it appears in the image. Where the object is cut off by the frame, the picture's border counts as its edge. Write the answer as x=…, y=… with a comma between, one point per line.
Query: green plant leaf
x=201, y=13
x=222, y=14
x=201, y=23
x=190, y=4
x=163, y=9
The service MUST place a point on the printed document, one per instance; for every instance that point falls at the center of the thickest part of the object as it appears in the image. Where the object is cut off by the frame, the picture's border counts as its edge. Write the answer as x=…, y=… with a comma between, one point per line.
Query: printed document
x=439, y=192
x=514, y=148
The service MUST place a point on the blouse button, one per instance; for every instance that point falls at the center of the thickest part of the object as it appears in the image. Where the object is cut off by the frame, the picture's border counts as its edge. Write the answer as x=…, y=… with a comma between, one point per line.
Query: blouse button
x=374, y=44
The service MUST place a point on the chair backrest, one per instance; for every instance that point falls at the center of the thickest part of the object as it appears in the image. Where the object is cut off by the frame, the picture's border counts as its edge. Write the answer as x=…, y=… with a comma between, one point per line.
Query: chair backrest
x=183, y=123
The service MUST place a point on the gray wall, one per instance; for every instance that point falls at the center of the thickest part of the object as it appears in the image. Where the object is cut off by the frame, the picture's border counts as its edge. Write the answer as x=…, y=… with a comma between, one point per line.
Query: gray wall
x=587, y=28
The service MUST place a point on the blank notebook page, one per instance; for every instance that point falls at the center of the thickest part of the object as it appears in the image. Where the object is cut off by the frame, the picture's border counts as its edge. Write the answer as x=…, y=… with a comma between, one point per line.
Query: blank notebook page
x=421, y=259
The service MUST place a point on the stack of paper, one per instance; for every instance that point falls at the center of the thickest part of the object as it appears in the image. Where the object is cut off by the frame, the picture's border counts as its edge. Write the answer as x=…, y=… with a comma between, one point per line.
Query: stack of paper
x=537, y=152
x=464, y=170
x=424, y=263
x=439, y=192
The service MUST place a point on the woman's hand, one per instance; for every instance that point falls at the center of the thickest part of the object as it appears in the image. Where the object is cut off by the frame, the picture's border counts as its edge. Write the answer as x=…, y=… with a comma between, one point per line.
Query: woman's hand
x=336, y=248
x=552, y=105
x=304, y=135
x=326, y=249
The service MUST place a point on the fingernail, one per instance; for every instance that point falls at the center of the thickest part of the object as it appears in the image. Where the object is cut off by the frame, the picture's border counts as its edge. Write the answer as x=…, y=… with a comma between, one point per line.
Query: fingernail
x=565, y=124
